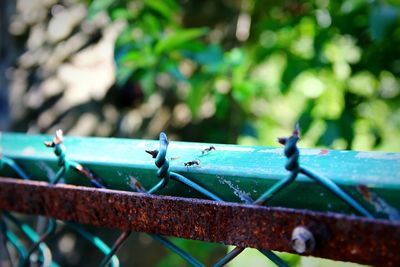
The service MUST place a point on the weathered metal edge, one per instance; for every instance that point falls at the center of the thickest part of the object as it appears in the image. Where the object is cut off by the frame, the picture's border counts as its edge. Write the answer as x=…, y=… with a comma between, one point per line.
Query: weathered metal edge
x=235, y=172
x=338, y=237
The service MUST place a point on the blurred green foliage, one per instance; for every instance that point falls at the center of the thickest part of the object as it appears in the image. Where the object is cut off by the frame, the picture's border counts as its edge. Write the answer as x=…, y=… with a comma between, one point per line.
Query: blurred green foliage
x=252, y=257
x=332, y=65
x=246, y=71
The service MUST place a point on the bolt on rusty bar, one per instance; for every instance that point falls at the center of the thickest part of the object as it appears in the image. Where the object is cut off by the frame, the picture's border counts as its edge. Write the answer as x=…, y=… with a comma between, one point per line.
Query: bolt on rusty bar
x=338, y=237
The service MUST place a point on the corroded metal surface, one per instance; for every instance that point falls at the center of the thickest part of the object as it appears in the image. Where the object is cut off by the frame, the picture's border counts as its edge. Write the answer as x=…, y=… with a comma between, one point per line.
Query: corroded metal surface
x=235, y=173
x=338, y=237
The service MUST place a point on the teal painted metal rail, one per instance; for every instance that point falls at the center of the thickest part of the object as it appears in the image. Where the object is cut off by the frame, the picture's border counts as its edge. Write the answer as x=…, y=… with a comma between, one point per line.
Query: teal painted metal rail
x=237, y=173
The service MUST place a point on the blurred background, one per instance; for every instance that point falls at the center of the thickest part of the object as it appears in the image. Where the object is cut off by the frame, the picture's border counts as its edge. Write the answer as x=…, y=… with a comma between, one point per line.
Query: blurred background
x=241, y=72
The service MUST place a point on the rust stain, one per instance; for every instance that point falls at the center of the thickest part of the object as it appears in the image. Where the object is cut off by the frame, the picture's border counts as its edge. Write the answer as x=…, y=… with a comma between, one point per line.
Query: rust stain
x=136, y=185
x=370, y=241
x=90, y=175
x=379, y=203
x=323, y=152
x=364, y=192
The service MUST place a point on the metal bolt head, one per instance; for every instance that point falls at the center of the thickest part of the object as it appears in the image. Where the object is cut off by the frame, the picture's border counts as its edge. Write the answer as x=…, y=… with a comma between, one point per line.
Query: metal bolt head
x=302, y=240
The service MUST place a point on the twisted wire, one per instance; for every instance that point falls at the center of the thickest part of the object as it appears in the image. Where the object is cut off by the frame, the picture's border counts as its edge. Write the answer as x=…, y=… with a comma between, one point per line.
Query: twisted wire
x=163, y=172
x=5, y=161
x=163, y=165
x=65, y=164
x=24, y=256
x=60, y=152
x=95, y=241
x=12, y=238
x=292, y=165
x=291, y=151
x=292, y=154
x=33, y=237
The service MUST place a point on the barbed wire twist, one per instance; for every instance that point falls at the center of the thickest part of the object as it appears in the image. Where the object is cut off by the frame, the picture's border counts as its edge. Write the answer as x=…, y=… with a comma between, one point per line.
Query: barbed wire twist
x=163, y=165
x=46, y=257
x=65, y=164
x=161, y=162
x=59, y=150
x=291, y=151
x=292, y=164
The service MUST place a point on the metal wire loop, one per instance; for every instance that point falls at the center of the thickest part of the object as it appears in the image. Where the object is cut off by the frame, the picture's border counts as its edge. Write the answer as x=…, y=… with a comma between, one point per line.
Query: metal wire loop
x=292, y=165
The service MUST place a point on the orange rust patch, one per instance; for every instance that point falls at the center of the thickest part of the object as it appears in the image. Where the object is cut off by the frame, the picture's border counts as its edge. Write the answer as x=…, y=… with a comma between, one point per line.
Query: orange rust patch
x=323, y=152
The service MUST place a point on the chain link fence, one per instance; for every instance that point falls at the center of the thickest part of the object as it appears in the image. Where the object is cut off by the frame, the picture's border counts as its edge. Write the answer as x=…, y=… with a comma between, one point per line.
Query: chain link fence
x=305, y=238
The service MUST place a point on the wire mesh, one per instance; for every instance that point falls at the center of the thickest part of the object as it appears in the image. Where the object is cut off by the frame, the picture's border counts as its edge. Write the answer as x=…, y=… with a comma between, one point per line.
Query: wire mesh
x=301, y=242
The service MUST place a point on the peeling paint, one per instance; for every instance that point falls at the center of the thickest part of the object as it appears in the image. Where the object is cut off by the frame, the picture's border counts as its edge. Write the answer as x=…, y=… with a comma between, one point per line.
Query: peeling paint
x=378, y=203
x=135, y=184
x=245, y=197
x=378, y=155
x=308, y=152
x=273, y=150
x=141, y=144
x=219, y=148
x=29, y=151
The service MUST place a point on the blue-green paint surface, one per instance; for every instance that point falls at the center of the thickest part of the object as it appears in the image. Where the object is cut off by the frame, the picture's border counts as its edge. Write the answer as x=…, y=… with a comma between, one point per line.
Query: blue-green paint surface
x=235, y=173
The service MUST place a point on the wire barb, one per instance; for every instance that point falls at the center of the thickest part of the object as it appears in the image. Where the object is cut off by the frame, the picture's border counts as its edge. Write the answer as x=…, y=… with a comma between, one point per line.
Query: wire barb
x=291, y=151
x=65, y=164
x=59, y=150
x=153, y=153
x=292, y=165
x=161, y=162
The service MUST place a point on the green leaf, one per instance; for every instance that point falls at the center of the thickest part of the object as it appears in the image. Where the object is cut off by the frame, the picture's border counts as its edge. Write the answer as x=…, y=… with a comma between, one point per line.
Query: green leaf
x=151, y=25
x=160, y=7
x=177, y=39
x=198, y=89
x=147, y=80
x=120, y=13
x=143, y=58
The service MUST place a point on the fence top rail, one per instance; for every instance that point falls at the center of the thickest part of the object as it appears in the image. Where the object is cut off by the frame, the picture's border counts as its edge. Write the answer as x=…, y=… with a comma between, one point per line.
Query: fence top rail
x=343, y=181
x=343, y=166
x=237, y=173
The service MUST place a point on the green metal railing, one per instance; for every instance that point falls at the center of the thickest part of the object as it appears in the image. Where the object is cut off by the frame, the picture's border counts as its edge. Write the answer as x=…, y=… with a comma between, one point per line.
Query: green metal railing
x=346, y=182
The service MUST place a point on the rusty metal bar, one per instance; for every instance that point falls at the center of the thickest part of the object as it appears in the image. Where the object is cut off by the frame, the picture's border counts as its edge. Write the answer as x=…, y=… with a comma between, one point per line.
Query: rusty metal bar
x=234, y=173
x=338, y=237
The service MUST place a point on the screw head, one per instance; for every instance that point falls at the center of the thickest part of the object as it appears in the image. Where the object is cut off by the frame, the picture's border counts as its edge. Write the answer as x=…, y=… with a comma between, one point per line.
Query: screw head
x=302, y=240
